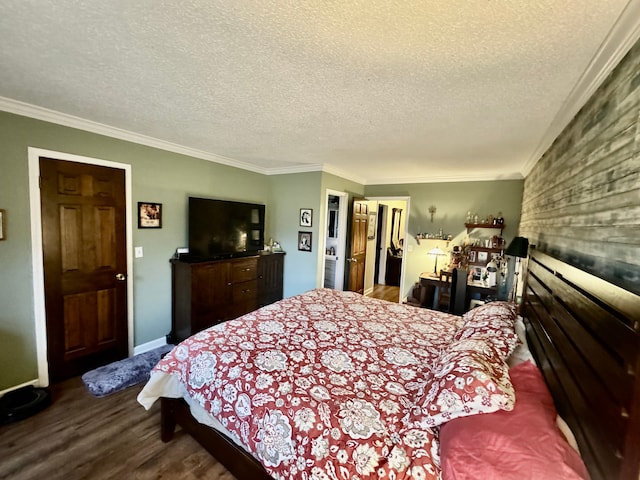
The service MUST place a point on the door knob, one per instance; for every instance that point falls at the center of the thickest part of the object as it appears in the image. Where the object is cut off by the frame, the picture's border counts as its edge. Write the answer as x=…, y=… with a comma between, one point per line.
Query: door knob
x=120, y=277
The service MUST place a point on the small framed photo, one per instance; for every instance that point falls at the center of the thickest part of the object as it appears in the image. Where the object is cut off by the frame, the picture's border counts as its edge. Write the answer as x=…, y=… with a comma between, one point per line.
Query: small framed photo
x=372, y=226
x=483, y=257
x=304, y=241
x=477, y=273
x=149, y=215
x=3, y=234
x=472, y=256
x=306, y=217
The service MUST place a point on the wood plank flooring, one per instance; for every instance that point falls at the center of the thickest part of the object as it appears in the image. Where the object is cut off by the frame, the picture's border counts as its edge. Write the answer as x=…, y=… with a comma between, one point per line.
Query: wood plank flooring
x=384, y=292
x=80, y=436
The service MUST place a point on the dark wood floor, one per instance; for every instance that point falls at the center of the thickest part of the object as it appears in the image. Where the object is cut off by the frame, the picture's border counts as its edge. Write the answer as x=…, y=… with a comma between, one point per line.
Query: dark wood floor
x=385, y=292
x=80, y=436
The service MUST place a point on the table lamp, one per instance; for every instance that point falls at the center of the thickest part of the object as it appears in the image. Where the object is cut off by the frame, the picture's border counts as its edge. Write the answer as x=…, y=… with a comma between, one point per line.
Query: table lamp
x=519, y=248
x=436, y=252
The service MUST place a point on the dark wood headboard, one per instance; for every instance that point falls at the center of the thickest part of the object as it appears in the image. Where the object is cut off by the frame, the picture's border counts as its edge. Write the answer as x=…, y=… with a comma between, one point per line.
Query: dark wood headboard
x=585, y=335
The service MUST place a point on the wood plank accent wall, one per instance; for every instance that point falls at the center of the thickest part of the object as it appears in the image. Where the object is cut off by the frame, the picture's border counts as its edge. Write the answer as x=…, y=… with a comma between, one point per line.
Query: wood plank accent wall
x=581, y=201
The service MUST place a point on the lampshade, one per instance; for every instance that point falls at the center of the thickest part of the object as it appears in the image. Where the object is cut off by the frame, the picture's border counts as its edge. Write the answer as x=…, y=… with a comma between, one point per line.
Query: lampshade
x=437, y=252
x=519, y=247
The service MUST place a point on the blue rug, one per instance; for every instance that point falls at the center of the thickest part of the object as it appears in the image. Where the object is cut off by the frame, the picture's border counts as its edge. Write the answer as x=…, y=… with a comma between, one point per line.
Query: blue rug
x=124, y=373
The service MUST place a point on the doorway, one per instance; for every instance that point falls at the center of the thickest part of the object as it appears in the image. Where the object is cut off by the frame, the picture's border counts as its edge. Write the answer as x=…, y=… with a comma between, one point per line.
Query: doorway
x=101, y=342
x=386, y=265
x=378, y=241
x=335, y=236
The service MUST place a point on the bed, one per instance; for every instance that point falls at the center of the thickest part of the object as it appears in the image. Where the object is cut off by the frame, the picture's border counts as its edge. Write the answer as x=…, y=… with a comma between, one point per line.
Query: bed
x=584, y=333
x=377, y=390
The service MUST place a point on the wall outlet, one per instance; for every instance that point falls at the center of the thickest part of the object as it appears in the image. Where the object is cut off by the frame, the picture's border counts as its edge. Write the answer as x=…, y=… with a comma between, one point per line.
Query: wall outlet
x=138, y=252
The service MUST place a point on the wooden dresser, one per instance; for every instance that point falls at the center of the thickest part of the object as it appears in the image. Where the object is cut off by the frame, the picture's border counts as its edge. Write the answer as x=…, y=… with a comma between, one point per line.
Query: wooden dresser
x=210, y=292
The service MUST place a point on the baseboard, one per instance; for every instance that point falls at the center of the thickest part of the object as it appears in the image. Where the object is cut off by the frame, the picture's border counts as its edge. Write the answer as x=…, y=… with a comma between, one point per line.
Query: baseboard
x=145, y=347
x=368, y=292
x=11, y=389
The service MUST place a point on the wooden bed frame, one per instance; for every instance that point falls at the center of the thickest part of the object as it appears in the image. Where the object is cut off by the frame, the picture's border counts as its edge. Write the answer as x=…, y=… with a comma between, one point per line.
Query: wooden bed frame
x=175, y=411
x=584, y=334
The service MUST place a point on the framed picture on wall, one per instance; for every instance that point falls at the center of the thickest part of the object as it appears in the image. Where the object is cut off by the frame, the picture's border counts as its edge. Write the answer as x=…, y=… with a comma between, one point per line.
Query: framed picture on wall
x=372, y=226
x=304, y=241
x=306, y=217
x=483, y=257
x=149, y=215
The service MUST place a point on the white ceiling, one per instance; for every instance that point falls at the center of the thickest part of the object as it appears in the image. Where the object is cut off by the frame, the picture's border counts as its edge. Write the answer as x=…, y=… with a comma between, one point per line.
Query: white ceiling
x=378, y=91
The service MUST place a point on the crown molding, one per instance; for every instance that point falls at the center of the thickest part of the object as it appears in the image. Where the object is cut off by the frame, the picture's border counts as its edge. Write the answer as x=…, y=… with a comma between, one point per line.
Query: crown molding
x=52, y=116
x=316, y=167
x=47, y=115
x=344, y=174
x=304, y=168
x=623, y=35
x=489, y=177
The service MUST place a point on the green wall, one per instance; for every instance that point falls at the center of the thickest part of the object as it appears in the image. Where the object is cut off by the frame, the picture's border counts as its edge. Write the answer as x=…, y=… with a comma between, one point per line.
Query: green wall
x=170, y=178
x=157, y=175
x=452, y=202
x=290, y=193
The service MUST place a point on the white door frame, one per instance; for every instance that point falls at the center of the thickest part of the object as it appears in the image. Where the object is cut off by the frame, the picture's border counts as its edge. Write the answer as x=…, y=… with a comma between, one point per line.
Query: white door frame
x=384, y=229
x=37, y=259
x=342, y=237
x=405, y=236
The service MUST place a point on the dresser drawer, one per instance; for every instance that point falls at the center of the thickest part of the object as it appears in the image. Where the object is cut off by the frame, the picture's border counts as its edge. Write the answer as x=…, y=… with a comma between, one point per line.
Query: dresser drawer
x=244, y=270
x=245, y=291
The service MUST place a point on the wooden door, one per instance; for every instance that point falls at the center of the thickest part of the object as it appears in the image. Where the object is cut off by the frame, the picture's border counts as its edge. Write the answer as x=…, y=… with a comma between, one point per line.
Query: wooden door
x=358, y=246
x=85, y=268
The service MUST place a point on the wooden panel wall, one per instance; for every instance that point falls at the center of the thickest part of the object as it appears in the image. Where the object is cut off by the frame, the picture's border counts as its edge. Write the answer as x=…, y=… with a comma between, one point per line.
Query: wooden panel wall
x=581, y=201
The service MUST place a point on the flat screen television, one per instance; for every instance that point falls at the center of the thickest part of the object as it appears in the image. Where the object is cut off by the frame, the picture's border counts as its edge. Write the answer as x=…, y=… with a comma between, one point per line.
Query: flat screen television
x=224, y=229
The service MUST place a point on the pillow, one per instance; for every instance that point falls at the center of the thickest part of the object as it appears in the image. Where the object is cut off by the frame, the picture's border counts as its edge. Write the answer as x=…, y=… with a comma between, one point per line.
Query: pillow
x=521, y=352
x=521, y=444
x=495, y=323
x=495, y=313
x=503, y=338
x=468, y=378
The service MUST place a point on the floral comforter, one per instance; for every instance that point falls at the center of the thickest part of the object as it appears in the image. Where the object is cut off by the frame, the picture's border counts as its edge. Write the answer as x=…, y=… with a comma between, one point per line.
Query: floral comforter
x=316, y=386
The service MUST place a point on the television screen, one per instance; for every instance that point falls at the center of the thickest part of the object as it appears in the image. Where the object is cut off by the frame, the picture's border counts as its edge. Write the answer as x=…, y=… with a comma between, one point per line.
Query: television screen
x=223, y=228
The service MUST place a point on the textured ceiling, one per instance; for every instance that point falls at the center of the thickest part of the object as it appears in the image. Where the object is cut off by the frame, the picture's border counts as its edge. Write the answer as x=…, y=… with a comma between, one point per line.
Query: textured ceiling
x=377, y=91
